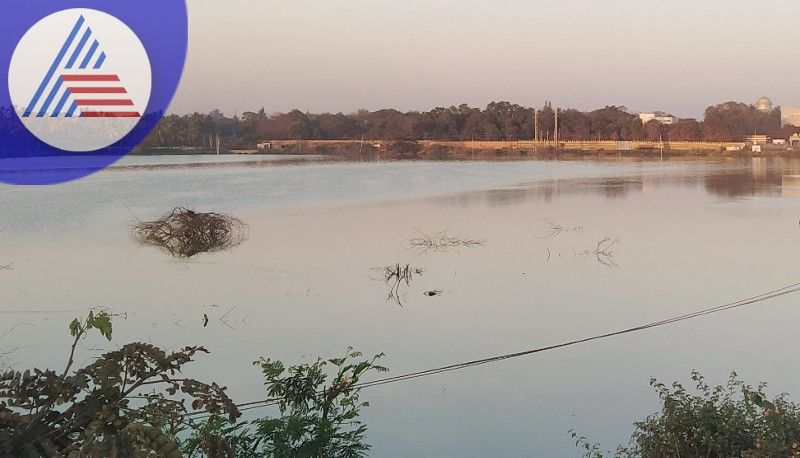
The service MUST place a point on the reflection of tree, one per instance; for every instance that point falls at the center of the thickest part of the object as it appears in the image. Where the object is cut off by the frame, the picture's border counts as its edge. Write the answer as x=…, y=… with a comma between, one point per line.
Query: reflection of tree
x=737, y=178
x=744, y=183
x=619, y=188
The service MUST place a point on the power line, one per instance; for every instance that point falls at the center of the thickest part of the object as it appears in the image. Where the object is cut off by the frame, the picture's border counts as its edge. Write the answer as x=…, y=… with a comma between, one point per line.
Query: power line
x=767, y=296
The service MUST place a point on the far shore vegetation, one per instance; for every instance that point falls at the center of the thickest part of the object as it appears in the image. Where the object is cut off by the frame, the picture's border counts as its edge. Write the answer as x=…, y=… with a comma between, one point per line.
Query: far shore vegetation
x=503, y=121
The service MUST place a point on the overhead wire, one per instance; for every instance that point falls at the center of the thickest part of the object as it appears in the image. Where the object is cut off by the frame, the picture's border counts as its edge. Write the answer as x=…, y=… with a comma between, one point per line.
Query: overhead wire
x=763, y=297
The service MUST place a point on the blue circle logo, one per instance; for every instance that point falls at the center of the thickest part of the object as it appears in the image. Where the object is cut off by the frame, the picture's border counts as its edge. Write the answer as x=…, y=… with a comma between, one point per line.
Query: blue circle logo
x=87, y=82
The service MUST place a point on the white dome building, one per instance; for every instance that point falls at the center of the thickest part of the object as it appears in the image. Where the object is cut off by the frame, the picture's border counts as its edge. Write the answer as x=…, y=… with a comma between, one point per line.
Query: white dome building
x=764, y=104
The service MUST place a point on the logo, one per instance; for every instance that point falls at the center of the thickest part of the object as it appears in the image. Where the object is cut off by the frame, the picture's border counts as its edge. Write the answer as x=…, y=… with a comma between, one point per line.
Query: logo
x=90, y=90
x=87, y=80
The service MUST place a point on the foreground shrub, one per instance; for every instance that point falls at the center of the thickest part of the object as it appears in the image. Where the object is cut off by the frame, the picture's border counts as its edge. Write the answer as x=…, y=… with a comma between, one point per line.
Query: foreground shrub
x=132, y=402
x=734, y=420
x=119, y=405
x=319, y=407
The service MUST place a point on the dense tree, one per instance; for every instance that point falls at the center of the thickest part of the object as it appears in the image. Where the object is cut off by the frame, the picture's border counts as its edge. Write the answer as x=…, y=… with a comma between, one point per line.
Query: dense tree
x=686, y=130
x=734, y=121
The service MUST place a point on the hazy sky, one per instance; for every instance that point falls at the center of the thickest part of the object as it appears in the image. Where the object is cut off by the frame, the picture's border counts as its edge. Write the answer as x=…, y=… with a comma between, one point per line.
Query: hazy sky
x=341, y=55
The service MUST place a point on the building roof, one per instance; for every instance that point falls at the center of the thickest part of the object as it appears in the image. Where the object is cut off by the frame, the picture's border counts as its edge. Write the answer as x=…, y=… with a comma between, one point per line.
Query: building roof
x=764, y=103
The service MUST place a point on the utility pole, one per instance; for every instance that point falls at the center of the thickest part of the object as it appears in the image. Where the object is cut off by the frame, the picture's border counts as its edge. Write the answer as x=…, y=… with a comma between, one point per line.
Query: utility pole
x=217, y=144
x=536, y=126
x=555, y=131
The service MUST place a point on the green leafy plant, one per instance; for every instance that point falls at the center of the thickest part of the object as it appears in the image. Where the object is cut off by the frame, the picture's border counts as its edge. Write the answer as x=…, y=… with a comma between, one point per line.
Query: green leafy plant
x=728, y=420
x=133, y=402
x=126, y=401
x=319, y=406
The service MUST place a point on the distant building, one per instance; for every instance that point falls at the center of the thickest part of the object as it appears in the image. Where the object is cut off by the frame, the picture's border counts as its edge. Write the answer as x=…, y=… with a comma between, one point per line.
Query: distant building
x=757, y=139
x=778, y=141
x=660, y=117
x=264, y=145
x=764, y=104
x=790, y=116
x=794, y=140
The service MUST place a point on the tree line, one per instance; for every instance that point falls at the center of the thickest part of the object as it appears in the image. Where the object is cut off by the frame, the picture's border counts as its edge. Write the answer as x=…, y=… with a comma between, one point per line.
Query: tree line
x=730, y=121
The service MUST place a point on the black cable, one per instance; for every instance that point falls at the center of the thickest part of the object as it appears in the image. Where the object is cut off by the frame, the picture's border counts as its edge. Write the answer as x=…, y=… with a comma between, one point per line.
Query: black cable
x=786, y=290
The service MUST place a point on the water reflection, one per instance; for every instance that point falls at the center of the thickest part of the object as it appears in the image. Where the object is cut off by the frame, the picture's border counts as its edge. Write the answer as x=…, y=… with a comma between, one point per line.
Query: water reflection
x=301, y=286
x=763, y=177
x=790, y=185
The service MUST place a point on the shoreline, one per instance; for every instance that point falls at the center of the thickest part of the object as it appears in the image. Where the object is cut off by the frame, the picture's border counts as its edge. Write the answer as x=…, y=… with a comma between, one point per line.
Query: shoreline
x=431, y=150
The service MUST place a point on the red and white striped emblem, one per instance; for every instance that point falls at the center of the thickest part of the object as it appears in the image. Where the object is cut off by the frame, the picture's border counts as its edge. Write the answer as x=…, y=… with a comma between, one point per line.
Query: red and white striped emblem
x=100, y=95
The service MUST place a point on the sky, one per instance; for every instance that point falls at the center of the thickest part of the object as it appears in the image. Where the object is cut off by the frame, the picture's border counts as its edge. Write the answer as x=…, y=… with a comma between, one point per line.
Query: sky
x=677, y=56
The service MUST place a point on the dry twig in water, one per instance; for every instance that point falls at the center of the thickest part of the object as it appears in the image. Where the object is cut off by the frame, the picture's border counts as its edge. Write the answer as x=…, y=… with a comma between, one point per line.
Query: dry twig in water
x=442, y=242
x=398, y=275
x=553, y=229
x=604, y=251
x=185, y=233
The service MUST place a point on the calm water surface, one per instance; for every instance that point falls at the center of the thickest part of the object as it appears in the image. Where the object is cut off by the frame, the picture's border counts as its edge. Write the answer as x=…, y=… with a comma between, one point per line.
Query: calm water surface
x=689, y=235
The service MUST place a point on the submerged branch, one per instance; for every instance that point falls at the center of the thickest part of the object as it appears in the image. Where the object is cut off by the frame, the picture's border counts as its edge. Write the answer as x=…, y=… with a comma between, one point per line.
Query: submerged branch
x=604, y=251
x=552, y=229
x=442, y=242
x=397, y=277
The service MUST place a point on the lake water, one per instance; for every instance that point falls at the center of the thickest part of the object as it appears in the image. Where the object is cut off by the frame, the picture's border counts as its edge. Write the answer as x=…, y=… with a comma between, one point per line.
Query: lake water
x=688, y=235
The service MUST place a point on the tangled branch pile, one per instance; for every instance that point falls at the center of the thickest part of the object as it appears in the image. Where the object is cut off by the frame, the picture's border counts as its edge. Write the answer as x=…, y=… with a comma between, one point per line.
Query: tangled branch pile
x=185, y=233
